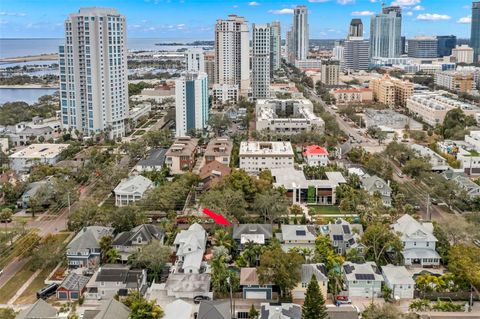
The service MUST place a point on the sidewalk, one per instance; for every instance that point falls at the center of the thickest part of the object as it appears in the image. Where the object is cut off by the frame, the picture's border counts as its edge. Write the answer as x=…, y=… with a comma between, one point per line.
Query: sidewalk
x=24, y=287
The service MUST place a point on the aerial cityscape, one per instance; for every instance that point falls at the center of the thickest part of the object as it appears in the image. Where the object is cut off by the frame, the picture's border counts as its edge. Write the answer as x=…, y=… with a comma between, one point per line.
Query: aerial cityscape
x=184, y=159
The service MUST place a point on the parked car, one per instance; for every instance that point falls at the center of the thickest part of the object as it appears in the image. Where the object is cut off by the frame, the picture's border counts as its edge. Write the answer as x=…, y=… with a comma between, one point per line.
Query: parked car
x=47, y=291
x=399, y=174
x=475, y=241
x=434, y=201
x=1, y=272
x=416, y=207
x=343, y=300
x=198, y=299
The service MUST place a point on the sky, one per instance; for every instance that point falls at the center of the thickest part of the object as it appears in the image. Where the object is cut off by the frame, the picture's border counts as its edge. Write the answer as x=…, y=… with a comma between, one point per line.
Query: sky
x=195, y=19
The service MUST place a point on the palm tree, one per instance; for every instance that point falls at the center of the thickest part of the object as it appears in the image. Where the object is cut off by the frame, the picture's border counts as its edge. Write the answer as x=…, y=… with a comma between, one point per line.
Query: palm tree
x=251, y=253
x=223, y=238
x=112, y=256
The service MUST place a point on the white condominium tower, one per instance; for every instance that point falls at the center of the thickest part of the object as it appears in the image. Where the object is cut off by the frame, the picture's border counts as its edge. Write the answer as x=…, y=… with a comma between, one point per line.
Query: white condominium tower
x=300, y=32
x=191, y=103
x=232, y=53
x=93, y=72
x=261, y=64
x=195, y=60
x=276, y=46
x=386, y=33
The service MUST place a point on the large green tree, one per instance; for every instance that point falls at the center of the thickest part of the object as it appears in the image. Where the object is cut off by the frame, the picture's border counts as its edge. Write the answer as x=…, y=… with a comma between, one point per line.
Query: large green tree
x=378, y=240
x=153, y=257
x=314, y=305
x=142, y=308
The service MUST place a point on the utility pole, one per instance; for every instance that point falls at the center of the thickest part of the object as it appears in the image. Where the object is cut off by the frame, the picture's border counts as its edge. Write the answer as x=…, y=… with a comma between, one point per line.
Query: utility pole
x=429, y=216
x=68, y=200
x=231, y=296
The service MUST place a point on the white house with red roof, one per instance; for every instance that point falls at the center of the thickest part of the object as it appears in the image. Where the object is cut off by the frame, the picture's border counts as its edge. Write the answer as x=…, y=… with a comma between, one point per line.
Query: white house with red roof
x=315, y=155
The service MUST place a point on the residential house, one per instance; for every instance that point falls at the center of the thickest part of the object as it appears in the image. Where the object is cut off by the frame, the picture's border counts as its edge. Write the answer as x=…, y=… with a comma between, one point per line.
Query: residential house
x=218, y=149
x=131, y=189
x=113, y=279
x=399, y=280
x=154, y=161
x=190, y=247
x=343, y=235
x=111, y=309
x=307, y=191
x=463, y=182
x=251, y=287
x=436, y=160
x=39, y=310
x=129, y=242
x=280, y=311
x=24, y=159
x=32, y=190
x=72, y=287
x=315, y=155
x=256, y=233
x=307, y=271
x=418, y=242
x=187, y=286
x=299, y=236
x=362, y=280
x=84, y=249
x=212, y=173
x=180, y=157
x=374, y=184
x=214, y=309
x=178, y=309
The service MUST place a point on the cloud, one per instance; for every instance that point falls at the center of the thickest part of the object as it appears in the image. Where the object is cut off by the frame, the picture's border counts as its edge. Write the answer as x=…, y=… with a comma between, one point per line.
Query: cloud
x=281, y=11
x=433, y=17
x=362, y=13
x=253, y=4
x=409, y=13
x=343, y=2
x=373, y=1
x=405, y=3
x=235, y=6
x=418, y=8
x=465, y=20
x=13, y=14
x=318, y=1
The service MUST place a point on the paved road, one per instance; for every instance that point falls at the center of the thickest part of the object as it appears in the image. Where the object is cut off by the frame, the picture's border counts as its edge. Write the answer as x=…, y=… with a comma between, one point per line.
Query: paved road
x=11, y=269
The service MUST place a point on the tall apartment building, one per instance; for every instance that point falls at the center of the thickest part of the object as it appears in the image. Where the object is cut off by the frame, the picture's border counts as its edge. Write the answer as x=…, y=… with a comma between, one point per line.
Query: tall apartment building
x=232, y=53
x=423, y=47
x=300, y=32
x=460, y=81
x=390, y=91
x=463, y=54
x=261, y=63
x=330, y=74
x=195, y=60
x=275, y=46
x=191, y=103
x=475, y=33
x=209, y=66
x=93, y=72
x=445, y=44
x=356, y=29
x=290, y=44
x=386, y=33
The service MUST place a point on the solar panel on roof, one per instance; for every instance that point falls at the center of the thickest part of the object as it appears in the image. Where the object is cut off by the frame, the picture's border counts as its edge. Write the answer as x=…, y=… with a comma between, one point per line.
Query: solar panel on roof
x=351, y=241
x=364, y=276
x=301, y=233
x=347, y=269
x=337, y=237
x=346, y=229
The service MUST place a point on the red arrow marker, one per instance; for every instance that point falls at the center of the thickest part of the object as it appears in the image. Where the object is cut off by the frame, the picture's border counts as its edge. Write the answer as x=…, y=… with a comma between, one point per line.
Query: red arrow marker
x=218, y=218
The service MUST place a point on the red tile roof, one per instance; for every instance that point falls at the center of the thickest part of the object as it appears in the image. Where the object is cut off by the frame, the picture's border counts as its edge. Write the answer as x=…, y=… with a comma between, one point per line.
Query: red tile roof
x=315, y=150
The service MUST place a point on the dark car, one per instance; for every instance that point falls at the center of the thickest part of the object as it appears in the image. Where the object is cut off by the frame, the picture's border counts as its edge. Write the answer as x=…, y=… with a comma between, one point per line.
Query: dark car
x=198, y=299
x=47, y=291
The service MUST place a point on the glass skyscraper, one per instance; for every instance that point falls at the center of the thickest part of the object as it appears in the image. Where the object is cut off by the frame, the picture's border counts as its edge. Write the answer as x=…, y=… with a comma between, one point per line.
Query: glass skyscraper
x=475, y=35
x=386, y=33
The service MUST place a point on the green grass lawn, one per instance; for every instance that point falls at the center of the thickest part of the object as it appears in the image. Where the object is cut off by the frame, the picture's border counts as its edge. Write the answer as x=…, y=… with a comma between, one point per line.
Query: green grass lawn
x=324, y=210
x=139, y=132
x=12, y=286
x=29, y=296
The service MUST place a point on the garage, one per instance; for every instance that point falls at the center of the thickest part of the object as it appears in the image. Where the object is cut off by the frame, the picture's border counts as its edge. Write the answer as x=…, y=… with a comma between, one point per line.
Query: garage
x=256, y=294
x=298, y=294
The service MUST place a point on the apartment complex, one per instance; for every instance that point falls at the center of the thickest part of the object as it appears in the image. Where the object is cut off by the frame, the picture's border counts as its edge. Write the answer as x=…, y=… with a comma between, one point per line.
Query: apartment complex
x=261, y=64
x=391, y=91
x=219, y=149
x=275, y=46
x=352, y=96
x=93, y=72
x=180, y=157
x=423, y=47
x=386, y=33
x=195, y=60
x=287, y=117
x=432, y=107
x=475, y=33
x=232, y=53
x=209, y=66
x=458, y=81
x=330, y=74
x=463, y=54
x=356, y=54
x=191, y=103
x=224, y=94
x=256, y=156
x=24, y=159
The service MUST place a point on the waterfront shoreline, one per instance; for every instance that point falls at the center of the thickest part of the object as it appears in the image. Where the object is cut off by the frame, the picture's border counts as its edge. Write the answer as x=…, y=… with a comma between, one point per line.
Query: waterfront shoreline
x=30, y=58
x=28, y=86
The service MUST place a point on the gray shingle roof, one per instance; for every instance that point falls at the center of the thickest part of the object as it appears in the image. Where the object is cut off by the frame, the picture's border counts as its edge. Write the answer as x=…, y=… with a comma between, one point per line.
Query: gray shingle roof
x=308, y=270
x=89, y=237
x=113, y=309
x=39, y=310
x=156, y=157
x=136, y=184
x=216, y=309
x=241, y=229
x=147, y=232
x=375, y=183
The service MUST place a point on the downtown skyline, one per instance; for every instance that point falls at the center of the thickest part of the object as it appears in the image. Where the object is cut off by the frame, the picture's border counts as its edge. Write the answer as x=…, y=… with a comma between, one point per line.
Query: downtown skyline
x=179, y=19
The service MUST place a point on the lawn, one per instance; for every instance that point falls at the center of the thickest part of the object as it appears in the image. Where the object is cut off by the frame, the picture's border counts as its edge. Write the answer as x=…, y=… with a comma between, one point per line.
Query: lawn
x=324, y=210
x=29, y=295
x=12, y=286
